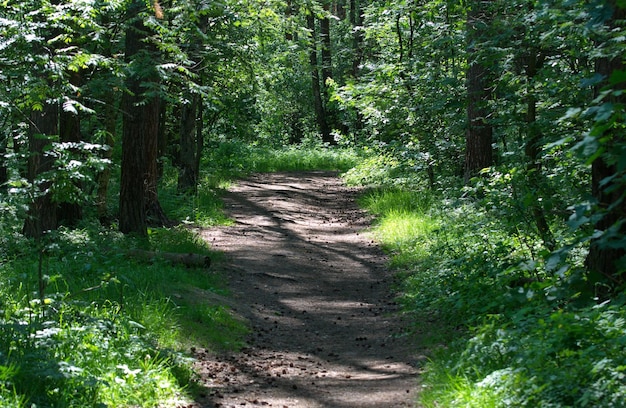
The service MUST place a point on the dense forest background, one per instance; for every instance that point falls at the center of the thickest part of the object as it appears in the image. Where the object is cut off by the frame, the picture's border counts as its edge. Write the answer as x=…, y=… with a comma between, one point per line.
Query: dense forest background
x=490, y=135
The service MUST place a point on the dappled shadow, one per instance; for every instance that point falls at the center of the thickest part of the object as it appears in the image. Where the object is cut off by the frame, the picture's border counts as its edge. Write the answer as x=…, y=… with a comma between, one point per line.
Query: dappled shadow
x=317, y=296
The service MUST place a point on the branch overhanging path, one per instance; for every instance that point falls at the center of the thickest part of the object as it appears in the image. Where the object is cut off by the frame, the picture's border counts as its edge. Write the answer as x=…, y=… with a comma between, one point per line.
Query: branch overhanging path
x=317, y=295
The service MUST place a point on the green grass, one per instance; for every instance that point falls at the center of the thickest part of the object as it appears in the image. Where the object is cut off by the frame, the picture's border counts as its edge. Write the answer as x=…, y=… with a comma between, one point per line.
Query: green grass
x=108, y=329
x=403, y=224
x=444, y=389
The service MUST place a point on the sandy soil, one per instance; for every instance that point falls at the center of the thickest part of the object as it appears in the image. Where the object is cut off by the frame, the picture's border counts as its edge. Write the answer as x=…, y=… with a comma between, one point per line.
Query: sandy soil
x=315, y=291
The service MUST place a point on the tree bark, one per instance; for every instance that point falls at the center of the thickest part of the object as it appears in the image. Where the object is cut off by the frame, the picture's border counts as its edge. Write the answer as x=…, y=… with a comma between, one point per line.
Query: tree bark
x=69, y=131
x=138, y=187
x=533, y=151
x=4, y=145
x=104, y=177
x=478, y=142
x=187, y=170
x=320, y=112
x=42, y=212
x=604, y=258
x=327, y=73
x=356, y=20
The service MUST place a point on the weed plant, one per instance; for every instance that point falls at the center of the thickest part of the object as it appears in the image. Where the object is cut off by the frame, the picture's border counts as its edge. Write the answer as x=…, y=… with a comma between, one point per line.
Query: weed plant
x=509, y=323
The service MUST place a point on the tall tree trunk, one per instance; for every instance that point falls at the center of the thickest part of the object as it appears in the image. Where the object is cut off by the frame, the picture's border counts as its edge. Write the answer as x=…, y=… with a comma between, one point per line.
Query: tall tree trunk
x=138, y=188
x=199, y=136
x=187, y=175
x=42, y=212
x=103, y=177
x=478, y=141
x=604, y=258
x=4, y=145
x=69, y=131
x=320, y=113
x=327, y=73
x=325, y=43
x=533, y=63
x=356, y=20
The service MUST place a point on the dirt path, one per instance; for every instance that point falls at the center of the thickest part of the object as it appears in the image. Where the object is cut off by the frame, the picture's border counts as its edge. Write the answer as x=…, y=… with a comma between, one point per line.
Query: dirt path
x=317, y=295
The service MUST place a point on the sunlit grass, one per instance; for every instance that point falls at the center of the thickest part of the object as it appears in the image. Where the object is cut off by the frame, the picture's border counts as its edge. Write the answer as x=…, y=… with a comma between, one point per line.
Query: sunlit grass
x=454, y=391
x=302, y=159
x=403, y=224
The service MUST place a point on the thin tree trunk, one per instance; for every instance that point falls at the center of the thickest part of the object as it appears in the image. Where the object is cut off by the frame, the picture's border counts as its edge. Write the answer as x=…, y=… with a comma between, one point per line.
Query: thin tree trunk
x=199, y=137
x=103, y=177
x=533, y=152
x=187, y=176
x=320, y=113
x=4, y=145
x=356, y=20
x=327, y=73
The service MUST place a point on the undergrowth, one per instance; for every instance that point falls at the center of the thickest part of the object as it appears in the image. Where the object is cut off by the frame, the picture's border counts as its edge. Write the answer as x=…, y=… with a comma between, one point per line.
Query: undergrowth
x=505, y=323
x=85, y=324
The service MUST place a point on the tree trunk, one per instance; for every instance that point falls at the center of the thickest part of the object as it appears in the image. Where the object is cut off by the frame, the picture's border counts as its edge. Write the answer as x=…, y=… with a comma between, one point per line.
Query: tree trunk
x=604, y=256
x=138, y=187
x=478, y=142
x=199, y=137
x=4, y=171
x=320, y=113
x=69, y=131
x=103, y=177
x=187, y=175
x=154, y=212
x=533, y=152
x=42, y=212
x=356, y=20
x=327, y=73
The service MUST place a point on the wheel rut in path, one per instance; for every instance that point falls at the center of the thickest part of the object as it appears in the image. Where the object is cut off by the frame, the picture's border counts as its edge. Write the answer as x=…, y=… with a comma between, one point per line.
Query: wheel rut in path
x=317, y=296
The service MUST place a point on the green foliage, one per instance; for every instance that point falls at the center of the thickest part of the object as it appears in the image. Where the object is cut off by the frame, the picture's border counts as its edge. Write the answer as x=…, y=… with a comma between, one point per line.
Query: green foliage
x=516, y=325
x=93, y=327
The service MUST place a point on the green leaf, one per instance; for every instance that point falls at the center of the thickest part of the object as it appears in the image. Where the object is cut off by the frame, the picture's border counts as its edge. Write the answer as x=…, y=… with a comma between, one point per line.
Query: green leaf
x=618, y=76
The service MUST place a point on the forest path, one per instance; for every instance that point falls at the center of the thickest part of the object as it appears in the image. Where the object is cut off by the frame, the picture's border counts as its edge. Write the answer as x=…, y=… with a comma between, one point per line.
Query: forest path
x=317, y=296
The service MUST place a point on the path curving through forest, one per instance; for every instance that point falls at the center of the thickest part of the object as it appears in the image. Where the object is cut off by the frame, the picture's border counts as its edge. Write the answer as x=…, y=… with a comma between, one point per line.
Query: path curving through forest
x=317, y=296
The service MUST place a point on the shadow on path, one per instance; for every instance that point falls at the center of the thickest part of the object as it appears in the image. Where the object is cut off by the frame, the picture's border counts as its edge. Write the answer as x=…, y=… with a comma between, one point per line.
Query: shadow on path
x=317, y=295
